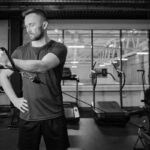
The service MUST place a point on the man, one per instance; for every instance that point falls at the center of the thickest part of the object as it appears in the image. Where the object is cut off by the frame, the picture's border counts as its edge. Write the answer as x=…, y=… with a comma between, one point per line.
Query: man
x=41, y=63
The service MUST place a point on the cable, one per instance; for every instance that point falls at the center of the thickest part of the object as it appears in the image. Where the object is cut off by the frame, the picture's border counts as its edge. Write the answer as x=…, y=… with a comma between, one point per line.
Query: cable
x=84, y=102
x=10, y=59
x=111, y=76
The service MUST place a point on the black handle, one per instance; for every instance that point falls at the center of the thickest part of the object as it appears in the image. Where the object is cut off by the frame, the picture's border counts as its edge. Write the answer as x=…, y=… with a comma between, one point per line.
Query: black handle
x=10, y=59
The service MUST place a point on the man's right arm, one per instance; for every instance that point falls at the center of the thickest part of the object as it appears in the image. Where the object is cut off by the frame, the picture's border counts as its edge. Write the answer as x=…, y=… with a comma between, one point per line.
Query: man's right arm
x=20, y=103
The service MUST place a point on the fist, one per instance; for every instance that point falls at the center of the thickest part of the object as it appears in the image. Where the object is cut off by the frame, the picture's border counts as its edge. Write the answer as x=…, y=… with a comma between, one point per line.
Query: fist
x=3, y=58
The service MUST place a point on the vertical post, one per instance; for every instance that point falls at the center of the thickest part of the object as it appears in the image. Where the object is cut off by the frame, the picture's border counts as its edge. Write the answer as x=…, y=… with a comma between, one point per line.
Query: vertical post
x=15, y=36
x=15, y=33
x=149, y=57
x=120, y=77
x=92, y=67
x=63, y=36
x=77, y=91
x=92, y=49
x=148, y=107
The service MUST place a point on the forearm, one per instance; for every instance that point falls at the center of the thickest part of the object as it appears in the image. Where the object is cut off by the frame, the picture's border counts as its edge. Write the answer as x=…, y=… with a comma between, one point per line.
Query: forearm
x=5, y=83
x=30, y=65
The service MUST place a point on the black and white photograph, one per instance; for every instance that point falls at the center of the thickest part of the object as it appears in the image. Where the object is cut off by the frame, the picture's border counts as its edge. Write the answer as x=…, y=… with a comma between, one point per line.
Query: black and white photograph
x=74, y=74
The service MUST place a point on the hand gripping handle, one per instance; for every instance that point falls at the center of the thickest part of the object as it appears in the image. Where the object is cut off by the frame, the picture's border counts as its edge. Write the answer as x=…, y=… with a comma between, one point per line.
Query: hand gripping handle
x=10, y=59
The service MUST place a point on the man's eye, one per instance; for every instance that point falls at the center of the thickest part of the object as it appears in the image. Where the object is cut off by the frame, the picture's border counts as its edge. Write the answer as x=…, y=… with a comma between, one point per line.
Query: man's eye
x=28, y=26
x=31, y=25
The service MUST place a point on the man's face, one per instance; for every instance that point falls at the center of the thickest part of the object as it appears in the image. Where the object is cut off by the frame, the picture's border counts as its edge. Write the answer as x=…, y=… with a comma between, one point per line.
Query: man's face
x=34, y=26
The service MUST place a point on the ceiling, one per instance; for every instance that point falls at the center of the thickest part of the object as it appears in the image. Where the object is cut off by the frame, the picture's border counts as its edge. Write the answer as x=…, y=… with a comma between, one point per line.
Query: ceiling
x=80, y=9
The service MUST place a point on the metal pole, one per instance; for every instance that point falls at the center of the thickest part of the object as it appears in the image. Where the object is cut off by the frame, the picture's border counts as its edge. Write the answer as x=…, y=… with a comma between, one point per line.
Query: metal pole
x=120, y=77
x=149, y=57
x=92, y=67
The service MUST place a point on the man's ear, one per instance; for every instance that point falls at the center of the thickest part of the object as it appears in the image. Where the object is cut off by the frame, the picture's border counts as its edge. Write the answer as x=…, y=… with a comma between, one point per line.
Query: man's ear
x=45, y=25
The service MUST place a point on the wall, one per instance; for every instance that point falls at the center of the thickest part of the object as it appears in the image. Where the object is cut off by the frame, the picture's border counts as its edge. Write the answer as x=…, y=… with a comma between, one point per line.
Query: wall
x=99, y=24
x=4, y=33
x=4, y=43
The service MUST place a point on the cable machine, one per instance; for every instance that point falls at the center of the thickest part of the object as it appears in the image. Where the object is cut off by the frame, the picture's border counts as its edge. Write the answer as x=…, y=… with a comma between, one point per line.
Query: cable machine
x=144, y=129
x=107, y=112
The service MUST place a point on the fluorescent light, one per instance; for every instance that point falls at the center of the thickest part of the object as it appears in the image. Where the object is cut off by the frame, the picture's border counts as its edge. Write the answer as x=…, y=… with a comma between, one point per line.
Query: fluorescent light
x=59, y=40
x=114, y=62
x=101, y=65
x=124, y=59
x=73, y=66
x=56, y=30
x=142, y=53
x=74, y=62
x=81, y=83
x=76, y=46
x=107, y=63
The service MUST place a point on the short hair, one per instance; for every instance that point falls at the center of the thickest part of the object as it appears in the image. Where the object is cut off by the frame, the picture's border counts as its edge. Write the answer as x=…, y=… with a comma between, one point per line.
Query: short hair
x=36, y=11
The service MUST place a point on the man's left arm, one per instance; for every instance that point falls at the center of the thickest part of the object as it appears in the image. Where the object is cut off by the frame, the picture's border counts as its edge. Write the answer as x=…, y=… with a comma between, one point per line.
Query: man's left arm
x=49, y=61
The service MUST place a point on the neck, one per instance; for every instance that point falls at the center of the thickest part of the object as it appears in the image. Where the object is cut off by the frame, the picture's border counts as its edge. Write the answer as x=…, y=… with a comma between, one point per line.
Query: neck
x=40, y=42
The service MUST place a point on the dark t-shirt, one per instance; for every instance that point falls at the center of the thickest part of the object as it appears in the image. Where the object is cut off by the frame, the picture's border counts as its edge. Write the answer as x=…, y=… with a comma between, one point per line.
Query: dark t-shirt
x=44, y=98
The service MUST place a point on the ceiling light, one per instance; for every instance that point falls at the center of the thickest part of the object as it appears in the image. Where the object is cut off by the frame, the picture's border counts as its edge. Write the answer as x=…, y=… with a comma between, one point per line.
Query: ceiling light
x=73, y=66
x=142, y=53
x=102, y=65
x=76, y=46
x=124, y=59
x=74, y=62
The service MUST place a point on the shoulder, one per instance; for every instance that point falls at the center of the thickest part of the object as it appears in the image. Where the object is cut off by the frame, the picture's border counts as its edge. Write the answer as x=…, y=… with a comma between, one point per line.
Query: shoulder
x=22, y=47
x=20, y=50
x=60, y=50
x=59, y=45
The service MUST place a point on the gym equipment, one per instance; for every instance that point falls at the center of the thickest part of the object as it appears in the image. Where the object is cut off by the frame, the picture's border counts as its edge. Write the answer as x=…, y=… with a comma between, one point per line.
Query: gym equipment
x=10, y=59
x=112, y=113
x=71, y=108
x=107, y=112
x=144, y=129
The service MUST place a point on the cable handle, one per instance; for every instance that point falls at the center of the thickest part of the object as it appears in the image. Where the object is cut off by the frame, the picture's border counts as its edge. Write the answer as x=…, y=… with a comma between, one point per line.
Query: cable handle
x=9, y=57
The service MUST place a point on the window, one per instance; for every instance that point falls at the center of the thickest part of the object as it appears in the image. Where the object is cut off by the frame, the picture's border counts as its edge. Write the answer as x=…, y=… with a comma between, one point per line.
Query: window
x=135, y=50
x=79, y=53
x=55, y=35
x=113, y=51
x=106, y=53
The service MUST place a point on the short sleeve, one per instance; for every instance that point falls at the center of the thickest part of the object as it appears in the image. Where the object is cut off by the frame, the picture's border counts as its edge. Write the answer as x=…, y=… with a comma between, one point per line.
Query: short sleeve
x=15, y=54
x=60, y=50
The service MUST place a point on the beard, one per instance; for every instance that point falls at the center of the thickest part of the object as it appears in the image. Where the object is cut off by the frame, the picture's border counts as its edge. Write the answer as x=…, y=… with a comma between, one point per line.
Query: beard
x=37, y=36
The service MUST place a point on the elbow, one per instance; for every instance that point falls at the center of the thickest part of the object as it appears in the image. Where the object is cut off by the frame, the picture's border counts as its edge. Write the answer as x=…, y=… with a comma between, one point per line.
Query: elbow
x=42, y=68
x=4, y=75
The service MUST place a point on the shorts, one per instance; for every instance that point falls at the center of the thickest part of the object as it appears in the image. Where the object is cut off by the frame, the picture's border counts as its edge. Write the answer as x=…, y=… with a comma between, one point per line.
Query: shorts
x=54, y=132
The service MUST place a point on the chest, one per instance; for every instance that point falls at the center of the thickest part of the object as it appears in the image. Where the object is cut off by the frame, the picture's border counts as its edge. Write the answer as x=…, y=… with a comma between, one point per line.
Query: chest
x=33, y=54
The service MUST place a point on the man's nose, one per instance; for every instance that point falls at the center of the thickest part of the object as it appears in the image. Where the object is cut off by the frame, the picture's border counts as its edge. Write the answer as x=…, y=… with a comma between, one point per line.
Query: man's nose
x=28, y=29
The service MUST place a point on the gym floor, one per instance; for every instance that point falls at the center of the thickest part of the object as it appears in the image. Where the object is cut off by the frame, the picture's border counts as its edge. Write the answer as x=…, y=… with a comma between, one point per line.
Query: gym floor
x=86, y=134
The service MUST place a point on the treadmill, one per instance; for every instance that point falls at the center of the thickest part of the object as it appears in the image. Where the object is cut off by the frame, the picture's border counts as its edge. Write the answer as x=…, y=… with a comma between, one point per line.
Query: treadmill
x=71, y=109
